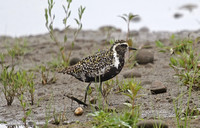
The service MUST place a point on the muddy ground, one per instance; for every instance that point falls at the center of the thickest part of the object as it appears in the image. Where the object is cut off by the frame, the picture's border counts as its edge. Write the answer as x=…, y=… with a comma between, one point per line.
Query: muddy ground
x=41, y=50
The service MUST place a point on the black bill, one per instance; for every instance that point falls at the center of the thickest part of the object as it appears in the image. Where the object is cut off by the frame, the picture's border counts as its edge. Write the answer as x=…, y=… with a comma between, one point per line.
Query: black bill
x=132, y=48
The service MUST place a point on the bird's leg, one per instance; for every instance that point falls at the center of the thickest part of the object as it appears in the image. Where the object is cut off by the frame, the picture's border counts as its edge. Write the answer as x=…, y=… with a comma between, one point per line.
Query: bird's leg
x=100, y=88
x=86, y=92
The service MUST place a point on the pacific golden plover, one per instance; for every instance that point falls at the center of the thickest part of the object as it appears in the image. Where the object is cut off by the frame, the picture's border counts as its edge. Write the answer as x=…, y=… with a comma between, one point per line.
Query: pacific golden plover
x=101, y=66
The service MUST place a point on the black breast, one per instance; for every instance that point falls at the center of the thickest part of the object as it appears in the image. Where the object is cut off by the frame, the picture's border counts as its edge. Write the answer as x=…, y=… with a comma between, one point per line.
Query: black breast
x=108, y=75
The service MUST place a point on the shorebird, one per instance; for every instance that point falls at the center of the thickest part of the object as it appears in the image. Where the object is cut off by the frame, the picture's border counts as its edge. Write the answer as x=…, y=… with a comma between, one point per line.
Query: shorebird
x=101, y=66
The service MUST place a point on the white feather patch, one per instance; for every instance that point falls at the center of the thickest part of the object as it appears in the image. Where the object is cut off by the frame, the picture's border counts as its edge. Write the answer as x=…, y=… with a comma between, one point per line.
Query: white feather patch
x=116, y=59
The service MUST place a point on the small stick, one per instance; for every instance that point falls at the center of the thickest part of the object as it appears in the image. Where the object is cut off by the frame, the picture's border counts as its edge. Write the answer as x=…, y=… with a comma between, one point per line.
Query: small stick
x=77, y=100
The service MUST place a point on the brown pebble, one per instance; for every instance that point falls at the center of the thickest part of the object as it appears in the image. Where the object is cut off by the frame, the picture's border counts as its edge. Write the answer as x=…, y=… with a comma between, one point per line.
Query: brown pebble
x=41, y=93
x=93, y=100
x=158, y=87
x=144, y=56
x=198, y=66
x=78, y=111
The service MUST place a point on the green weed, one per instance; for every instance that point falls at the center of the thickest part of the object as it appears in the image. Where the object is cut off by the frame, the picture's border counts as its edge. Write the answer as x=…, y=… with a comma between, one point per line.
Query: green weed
x=102, y=119
x=24, y=106
x=59, y=117
x=8, y=80
x=128, y=118
x=177, y=46
x=49, y=25
x=9, y=87
x=45, y=75
x=134, y=88
x=127, y=18
x=19, y=47
x=186, y=67
x=108, y=86
x=183, y=117
x=185, y=63
x=17, y=84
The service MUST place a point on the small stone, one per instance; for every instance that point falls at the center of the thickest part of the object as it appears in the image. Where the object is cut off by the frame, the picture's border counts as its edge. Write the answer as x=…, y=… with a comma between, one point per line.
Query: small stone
x=198, y=66
x=93, y=100
x=144, y=57
x=131, y=74
x=152, y=124
x=157, y=87
x=31, y=123
x=74, y=61
x=169, y=99
x=158, y=99
x=41, y=93
x=78, y=111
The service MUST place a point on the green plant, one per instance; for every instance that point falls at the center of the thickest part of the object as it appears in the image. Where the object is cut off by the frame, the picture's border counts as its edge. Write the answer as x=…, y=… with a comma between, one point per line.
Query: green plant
x=134, y=88
x=56, y=62
x=24, y=105
x=48, y=112
x=161, y=46
x=103, y=119
x=31, y=87
x=9, y=87
x=19, y=46
x=178, y=46
x=15, y=84
x=7, y=79
x=127, y=18
x=49, y=25
x=186, y=67
x=179, y=106
x=124, y=86
x=45, y=76
x=59, y=117
x=107, y=87
x=12, y=54
x=185, y=63
x=24, y=83
x=128, y=118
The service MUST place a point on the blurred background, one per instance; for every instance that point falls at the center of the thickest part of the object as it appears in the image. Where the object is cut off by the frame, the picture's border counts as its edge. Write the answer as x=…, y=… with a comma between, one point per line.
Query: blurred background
x=26, y=17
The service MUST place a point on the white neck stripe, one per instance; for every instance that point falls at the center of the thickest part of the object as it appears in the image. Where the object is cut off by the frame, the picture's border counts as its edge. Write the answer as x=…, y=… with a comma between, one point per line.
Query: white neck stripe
x=116, y=58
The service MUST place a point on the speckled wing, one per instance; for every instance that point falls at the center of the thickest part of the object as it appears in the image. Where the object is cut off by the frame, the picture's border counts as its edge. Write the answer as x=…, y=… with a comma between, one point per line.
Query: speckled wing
x=91, y=66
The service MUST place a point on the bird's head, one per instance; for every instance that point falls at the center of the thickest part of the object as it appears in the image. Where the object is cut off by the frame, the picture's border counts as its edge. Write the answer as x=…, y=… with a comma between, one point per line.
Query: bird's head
x=121, y=47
